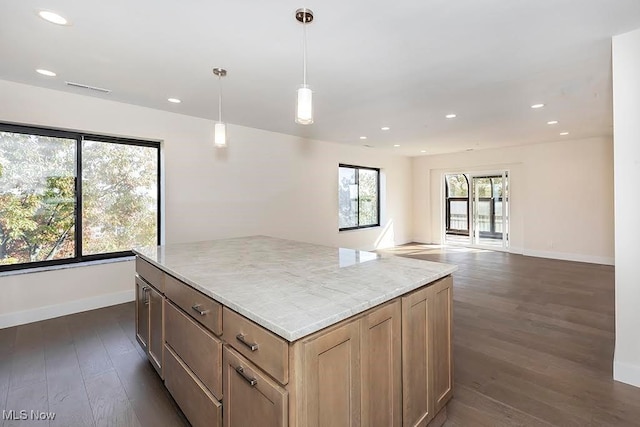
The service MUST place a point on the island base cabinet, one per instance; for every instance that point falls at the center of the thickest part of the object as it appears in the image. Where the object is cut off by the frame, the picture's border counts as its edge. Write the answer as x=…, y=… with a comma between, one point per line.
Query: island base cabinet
x=142, y=313
x=331, y=379
x=426, y=352
x=382, y=367
x=150, y=323
x=156, y=337
x=196, y=402
x=250, y=397
x=441, y=327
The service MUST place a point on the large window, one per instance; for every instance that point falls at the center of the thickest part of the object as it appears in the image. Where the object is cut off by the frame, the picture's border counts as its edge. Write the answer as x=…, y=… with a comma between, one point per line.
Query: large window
x=49, y=216
x=358, y=197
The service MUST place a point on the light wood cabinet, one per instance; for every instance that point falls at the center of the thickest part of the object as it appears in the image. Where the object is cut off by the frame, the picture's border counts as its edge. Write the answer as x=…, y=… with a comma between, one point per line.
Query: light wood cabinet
x=150, y=323
x=331, y=376
x=142, y=313
x=202, y=308
x=381, y=358
x=390, y=366
x=260, y=346
x=251, y=397
x=200, y=350
x=156, y=331
x=199, y=406
x=426, y=341
x=441, y=322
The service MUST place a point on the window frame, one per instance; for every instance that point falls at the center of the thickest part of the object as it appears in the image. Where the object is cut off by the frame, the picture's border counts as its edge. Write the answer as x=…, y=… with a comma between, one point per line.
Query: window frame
x=357, y=168
x=79, y=138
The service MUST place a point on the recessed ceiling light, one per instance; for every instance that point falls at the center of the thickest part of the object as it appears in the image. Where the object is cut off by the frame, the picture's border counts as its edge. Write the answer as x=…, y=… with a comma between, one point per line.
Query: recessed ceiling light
x=174, y=100
x=450, y=116
x=564, y=133
x=423, y=151
x=396, y=145
x=46, y=72
x=536, y=106
x=363, y=137
x=385, y=128
x=53, y=17
x=552, y=122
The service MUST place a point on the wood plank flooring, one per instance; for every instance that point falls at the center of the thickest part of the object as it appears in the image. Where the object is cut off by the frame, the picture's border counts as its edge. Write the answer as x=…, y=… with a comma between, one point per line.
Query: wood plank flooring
x=87, y=368
x=533, y=341
x=533, y=346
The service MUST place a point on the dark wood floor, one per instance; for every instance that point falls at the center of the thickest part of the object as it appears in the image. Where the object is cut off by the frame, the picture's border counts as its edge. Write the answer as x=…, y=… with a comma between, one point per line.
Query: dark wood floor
x=533, y=342
x=87, y=368
x=533, y=346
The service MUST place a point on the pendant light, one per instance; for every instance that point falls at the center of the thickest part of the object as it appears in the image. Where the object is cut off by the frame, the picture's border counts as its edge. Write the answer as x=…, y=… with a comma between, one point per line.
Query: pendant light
x=304, y=105
x=220, y=130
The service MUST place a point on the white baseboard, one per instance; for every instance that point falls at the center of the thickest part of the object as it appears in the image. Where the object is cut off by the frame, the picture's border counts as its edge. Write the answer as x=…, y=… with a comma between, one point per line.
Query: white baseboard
x=626, y=373
x=570, y=257
x=50, y=311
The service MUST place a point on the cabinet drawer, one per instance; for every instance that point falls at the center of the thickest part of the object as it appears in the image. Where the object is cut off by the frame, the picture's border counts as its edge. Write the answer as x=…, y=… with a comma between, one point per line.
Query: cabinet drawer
x=251, y=398
x=202, y=308
x=153, y=275
x=197, y=347
x=265, y=349
x=198, y=405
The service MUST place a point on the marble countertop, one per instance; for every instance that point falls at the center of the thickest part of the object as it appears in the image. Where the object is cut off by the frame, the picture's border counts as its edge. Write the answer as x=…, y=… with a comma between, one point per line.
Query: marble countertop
x=292, y=288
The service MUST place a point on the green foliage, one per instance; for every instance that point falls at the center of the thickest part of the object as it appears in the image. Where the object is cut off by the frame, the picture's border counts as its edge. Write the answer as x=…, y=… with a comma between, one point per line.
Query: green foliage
x=119, y=185
x=38, y=197
x=357, y=203
x=458, y=186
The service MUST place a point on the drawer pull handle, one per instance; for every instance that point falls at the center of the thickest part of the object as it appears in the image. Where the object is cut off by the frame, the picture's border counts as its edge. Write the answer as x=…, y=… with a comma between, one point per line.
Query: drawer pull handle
x=145, y=289
x=198, y=310
x=250, y=345
x=252, y=381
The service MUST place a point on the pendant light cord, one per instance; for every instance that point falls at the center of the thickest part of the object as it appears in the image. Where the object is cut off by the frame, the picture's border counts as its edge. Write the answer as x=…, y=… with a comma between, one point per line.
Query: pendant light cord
x=220, y=99
x=304, y=48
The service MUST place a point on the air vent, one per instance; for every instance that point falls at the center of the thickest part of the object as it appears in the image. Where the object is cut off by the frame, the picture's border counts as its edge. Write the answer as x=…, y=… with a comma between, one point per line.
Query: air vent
x=83, y=86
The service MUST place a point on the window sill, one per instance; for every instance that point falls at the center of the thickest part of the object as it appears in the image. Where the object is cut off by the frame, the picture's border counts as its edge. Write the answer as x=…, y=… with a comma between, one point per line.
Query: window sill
x=347, y=230
x=65, y=266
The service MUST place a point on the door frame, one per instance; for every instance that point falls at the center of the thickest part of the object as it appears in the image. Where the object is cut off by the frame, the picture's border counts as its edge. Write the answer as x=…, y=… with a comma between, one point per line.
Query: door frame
x=505, y=173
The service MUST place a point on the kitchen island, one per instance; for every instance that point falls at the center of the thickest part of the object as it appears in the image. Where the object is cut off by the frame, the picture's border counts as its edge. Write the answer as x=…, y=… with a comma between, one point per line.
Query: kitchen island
x=284, y=333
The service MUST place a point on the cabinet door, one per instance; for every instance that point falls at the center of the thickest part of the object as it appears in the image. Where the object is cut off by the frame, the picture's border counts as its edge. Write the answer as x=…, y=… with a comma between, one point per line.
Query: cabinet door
x=441, y=318
x=332, y=375
x=382, y=367
x=142, y=313
x=250, y=397
x=417, y=401
x=156, y=335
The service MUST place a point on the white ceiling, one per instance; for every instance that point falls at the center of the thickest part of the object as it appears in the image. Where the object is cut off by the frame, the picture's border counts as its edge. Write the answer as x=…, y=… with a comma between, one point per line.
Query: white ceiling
x=403, y=64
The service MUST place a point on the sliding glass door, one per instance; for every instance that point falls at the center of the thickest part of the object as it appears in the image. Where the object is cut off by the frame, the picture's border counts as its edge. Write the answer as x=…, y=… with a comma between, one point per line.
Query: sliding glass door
x=476, y=209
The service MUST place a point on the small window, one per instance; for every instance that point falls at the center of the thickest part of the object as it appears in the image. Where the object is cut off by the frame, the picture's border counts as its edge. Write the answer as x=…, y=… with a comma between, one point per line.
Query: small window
x=358, y=197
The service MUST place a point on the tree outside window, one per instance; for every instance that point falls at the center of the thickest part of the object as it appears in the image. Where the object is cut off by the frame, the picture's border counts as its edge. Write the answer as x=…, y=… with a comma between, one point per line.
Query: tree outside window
x=45, y=219
x=358, y=197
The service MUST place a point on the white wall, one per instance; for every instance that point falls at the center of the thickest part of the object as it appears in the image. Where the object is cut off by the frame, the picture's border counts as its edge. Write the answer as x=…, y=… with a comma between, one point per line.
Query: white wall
x=626, y=108
x=561, y=196
x=263, y=183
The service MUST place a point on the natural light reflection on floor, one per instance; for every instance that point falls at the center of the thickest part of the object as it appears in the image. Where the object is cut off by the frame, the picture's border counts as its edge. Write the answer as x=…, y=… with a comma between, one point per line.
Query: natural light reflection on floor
x=423, y=249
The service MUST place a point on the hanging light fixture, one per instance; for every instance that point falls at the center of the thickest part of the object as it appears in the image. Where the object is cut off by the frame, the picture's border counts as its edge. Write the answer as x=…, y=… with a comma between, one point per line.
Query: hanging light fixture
x=304, y=105
x=220, y=130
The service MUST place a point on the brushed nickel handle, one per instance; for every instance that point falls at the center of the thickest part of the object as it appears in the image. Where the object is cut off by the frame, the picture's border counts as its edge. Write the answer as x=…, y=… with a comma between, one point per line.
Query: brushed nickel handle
x=145, y=289
x=252, y=381
x=197, y=309
x=253, y=346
